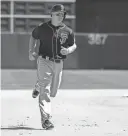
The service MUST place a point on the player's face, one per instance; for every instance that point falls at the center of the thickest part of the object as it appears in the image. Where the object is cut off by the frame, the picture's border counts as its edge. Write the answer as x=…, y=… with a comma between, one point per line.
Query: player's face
x=57, y=16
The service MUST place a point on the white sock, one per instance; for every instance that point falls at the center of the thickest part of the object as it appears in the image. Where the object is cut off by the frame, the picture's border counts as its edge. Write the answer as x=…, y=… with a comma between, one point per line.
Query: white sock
x=47, y=107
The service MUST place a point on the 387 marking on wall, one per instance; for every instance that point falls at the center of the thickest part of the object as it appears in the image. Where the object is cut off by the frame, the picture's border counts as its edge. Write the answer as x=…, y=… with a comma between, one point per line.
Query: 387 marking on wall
x=97, y=39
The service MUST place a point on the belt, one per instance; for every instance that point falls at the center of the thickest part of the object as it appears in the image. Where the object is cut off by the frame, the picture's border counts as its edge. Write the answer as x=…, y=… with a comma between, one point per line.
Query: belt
x=52, y=59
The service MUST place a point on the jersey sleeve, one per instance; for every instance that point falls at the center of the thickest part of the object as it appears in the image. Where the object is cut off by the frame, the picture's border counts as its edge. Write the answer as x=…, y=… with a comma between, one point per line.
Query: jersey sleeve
x=71, y=39
x=36, y=32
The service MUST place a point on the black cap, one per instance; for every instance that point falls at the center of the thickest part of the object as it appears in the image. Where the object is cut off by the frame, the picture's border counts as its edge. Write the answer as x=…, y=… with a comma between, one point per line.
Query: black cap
x=57, y=8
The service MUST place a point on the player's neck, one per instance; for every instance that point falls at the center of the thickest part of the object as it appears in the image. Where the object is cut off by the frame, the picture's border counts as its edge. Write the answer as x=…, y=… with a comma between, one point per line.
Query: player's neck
x=54, y=23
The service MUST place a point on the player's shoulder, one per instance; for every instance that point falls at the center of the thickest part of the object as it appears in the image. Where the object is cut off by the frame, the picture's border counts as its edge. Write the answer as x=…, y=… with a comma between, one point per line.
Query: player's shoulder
x=42, y=24
x=67, y=28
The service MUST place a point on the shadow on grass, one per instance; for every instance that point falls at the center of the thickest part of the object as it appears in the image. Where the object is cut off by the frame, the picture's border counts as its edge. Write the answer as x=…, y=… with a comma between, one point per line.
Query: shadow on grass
x=19, y=128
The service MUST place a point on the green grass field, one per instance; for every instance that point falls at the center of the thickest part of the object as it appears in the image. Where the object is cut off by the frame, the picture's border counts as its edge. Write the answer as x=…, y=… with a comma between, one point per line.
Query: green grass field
x=72, y=79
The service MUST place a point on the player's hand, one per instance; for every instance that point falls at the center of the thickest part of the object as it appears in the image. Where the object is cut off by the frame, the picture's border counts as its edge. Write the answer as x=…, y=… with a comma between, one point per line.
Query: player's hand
x=64, y=51
x=32, y=56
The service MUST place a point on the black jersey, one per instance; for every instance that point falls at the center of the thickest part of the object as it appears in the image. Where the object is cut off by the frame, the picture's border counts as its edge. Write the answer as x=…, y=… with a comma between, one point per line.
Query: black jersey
x=52, y=38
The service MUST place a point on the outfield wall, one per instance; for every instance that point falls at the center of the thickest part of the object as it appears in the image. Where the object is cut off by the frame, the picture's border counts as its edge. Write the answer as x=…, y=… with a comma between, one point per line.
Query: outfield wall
x=95, y=51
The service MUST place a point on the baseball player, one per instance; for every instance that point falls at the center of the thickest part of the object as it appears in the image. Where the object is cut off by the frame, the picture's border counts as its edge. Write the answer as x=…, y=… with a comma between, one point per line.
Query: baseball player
x=56, y=42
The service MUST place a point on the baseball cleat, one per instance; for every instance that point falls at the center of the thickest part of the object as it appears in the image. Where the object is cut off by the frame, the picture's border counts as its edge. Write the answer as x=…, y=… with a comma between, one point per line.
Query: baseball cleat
x=47, y=125
x=35, y=93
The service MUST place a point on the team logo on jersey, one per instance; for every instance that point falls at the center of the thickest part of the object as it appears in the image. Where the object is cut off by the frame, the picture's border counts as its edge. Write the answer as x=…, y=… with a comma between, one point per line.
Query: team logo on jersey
x=64, y=37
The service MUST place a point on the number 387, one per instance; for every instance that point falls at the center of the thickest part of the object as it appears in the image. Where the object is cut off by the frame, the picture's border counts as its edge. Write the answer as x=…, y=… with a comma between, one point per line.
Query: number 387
x=97, y=39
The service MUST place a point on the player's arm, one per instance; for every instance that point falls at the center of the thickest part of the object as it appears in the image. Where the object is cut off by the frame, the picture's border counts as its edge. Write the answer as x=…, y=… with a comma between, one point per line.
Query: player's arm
x=33, y=42
x=71, y=45
x=71, y=42
x=33, y=39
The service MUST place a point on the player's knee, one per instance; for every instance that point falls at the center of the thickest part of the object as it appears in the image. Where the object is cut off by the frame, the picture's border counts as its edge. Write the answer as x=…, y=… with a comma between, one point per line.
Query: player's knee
x=42, y=95
x=53, y=95
x=53, y=92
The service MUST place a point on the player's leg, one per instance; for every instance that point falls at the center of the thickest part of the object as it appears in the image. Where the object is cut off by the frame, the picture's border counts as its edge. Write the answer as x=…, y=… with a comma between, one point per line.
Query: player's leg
x=36, y=89
x=56, y=79
x=44, y=80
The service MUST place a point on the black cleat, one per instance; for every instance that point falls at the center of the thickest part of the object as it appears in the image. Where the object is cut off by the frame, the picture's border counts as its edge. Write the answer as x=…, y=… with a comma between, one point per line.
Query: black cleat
x=47, y=125
x=35, y=93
